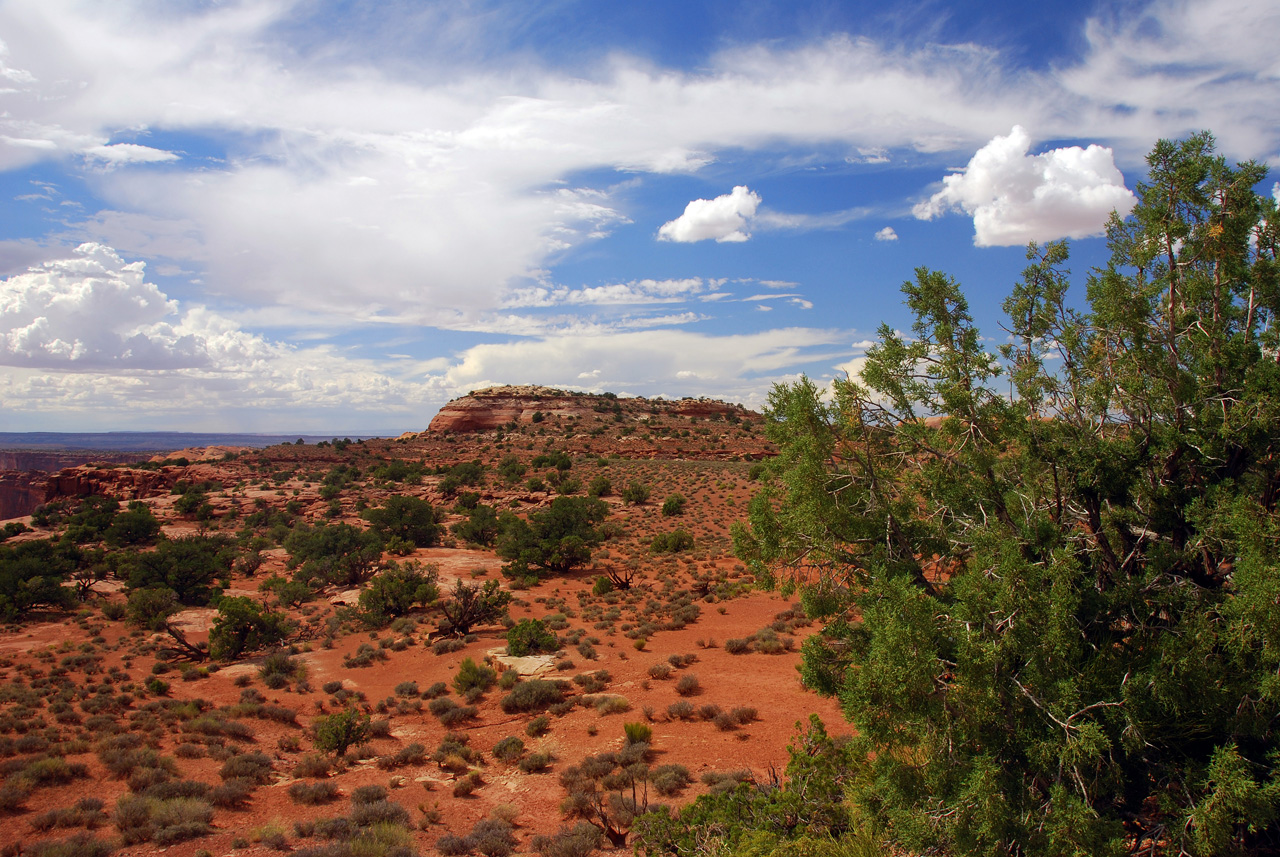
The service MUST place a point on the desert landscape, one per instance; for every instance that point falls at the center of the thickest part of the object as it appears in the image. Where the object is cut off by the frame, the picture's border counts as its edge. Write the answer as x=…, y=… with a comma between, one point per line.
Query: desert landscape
x=119, y=730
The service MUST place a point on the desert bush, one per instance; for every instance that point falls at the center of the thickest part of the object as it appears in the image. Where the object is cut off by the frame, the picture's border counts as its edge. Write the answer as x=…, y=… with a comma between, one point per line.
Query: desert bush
x=593, y=682
x=313, y=793
x=368, y=794
x=508, y=749
x=533, y=695
x=411, y=754
x=737, y=646
x=379, y=812
x=536, y=762
x=254, y=767
x=635, y=494
x=578, y=841
x=313, y=765
x=465, y=785
x=638, y=733
x=670, y=780
x=337, y=732
x=660, y=671
x=673, y=505
x=233, y=794
x=79, y=845
x=688, y=685
x=680, y=710
x=473, y=676
x=407, y=689
x=538, y=725
x=675, y=541
x=492, y=837
x=279, y=668
x=531, y=637
x=607, y=705
x=164, y=822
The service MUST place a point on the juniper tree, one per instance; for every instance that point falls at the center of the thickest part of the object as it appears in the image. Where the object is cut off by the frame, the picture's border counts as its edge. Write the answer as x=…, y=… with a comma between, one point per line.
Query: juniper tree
x=1051, y=614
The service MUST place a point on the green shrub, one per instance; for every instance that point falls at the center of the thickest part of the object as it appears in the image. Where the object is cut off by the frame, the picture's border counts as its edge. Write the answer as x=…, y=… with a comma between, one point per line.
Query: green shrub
x=675, y=541
x=398, y=589
x=508, y=749
x=531, y=637
x=536, y=762
x=670, y=780
x=673, y=505
x=635, y=494
x=313, y=793
x=337, y=732
x=533, y=695
x=638, y=733
x=254, y=767
x=472, y=676
x=242, y=625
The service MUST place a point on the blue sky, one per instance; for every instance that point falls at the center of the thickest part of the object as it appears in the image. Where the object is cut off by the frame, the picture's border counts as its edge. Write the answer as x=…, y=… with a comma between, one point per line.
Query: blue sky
x=337, y=216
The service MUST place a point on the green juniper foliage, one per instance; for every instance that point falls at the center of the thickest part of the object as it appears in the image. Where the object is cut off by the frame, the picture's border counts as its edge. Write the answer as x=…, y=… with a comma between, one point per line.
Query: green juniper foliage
x=1051, y=616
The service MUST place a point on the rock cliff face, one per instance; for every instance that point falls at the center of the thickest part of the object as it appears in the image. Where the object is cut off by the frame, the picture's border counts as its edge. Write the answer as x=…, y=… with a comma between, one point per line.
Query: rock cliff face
x=21, y=492
x=27, y=476
x=121, y=483
x=494, y=407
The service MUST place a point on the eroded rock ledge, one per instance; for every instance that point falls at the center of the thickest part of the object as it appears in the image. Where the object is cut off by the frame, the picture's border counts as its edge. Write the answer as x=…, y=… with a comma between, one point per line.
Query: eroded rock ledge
x=494, y=407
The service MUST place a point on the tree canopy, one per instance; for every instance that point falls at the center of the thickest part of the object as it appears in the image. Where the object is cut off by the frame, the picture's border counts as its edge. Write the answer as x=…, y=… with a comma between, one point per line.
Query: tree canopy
x=1051, y=605
x=557, y=539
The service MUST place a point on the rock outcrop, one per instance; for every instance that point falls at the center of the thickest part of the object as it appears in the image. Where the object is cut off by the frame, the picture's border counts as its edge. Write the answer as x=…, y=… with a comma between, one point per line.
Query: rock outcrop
x=495, y=407
x=122, y=483
x=21, y=492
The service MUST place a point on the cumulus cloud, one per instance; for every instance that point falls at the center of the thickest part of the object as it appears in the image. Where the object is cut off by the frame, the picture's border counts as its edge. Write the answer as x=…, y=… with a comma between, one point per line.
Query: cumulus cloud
x=91, y=311
x=88, y=333
x=1015, y=197
x=886, y=234
x=724, y=218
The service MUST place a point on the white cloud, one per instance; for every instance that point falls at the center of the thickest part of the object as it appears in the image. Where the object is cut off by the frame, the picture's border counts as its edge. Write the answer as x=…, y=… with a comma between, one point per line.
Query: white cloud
x=738, y=367
x=779, y=220
x=724, y=218
x=870, y=155
x=645, y=291
x=129, y=153
x=417, y=188
x=886, y=234
x=88, y=335
x=1015, y=198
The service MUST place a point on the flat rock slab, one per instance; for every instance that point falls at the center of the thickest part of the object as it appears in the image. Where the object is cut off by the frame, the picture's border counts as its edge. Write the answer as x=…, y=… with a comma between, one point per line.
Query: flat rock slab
x=528, y=666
